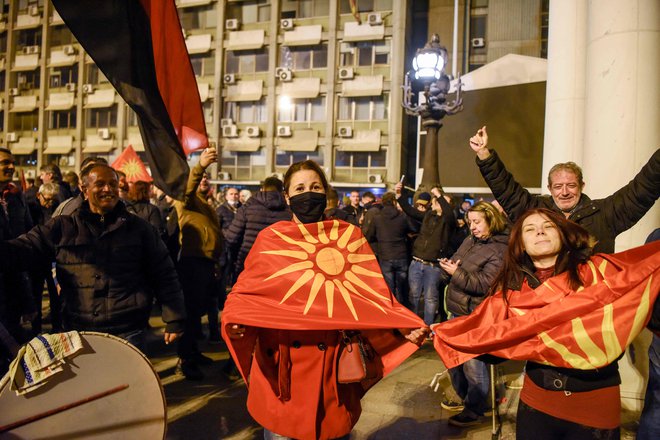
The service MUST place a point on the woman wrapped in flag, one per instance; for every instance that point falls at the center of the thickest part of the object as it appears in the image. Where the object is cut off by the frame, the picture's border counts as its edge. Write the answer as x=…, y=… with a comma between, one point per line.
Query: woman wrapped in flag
x=304, y=281
x=570, y=315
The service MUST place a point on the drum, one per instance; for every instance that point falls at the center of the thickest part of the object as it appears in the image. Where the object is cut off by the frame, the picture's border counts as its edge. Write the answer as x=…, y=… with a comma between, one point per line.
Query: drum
x=108, y=390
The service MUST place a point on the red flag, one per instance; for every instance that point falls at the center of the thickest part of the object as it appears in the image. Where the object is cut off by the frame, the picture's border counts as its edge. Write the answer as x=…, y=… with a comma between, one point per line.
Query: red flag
x=320, y=276
x=554, y=325
x=130, y=164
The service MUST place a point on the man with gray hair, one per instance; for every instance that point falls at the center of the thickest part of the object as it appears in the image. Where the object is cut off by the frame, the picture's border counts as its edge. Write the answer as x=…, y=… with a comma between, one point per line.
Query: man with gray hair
x=603, y=218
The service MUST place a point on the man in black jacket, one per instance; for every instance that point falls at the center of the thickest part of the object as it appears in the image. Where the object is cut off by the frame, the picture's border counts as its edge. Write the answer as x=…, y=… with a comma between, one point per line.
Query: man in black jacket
x=603, y=218
x=260, y=211
x=438, y=224
x=389, y=230
x=109, y=264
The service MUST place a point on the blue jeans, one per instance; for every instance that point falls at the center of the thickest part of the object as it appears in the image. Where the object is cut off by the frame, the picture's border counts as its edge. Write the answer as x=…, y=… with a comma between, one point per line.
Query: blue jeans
x=471, y=381
x=424, y=280
x=395, y=273
x=270, y=435
x=649, y=422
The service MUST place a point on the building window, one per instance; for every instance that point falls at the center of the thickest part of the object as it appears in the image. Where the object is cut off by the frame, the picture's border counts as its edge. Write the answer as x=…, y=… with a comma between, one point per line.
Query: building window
x=368, y=108
x=302, y=110
x=304, y=57
x=198, y=17
x=244, y=166
x=246, y=112
x=60, y=36
x=29, y=80
x=372, y=161
x=207, y=109
x=545, y=23
x=367, y=53
x=285, y=159
x=246, y=61
x=101, y=117
x=94, y=75
x=203, y=65
x=60, y=76
x=28, y=37
x=27, y=121
x=62, y=119
x=252, y=11
x=305, y=9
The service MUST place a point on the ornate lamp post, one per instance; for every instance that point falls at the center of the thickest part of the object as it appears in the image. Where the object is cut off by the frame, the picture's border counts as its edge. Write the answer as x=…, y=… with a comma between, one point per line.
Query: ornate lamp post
x=429, y=70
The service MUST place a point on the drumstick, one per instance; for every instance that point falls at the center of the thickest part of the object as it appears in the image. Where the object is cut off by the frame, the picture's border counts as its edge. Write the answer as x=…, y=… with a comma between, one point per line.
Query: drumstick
x=60, y=409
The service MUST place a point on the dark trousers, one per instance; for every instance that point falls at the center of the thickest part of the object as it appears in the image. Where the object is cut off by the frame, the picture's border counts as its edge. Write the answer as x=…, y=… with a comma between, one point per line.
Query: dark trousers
x=38, y=278
x=536, y=425
x=199, y=286
x=395, y=273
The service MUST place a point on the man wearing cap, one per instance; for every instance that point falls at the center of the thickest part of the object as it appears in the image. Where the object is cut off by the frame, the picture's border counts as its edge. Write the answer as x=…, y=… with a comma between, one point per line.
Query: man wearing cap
x=438, y=224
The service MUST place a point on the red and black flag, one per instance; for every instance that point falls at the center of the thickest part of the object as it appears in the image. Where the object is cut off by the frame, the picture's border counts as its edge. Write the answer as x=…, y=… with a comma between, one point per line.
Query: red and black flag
x=585, y=329
x=139, y=47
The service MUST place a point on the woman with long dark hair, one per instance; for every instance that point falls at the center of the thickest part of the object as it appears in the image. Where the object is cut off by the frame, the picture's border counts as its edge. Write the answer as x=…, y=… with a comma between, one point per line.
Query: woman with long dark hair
x=304, y=282
x=570, y=315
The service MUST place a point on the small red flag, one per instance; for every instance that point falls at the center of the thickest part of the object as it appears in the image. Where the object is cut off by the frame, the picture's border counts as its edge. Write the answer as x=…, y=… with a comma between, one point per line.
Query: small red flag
x=130, y=164
x=585, y=329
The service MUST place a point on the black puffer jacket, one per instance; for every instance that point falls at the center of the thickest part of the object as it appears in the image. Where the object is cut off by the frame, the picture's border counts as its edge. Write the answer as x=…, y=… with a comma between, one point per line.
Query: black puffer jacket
x=481, y=260
x=435, y=232
x=389, y=229
x=148, y=212
x=603, y=218
x=109, y=269
x=261, y=210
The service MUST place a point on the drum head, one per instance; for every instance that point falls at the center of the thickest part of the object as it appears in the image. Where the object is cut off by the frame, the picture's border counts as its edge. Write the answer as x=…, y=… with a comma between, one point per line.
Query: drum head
x=106, y=362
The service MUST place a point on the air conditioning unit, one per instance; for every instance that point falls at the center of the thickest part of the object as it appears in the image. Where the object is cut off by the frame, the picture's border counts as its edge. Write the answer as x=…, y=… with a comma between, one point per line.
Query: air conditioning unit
x=11, y=137
x=88, y=88
x=70, y=87
x=26, y=50
x=226, y=121
x=230, y=131
x=104, y=133
x=14, y=91
x=33, y=49
x=346, y=73
x=375, y=178
x=478, y=42
x=286, y=24
x=252, y=131
x=33, y=10
x=374, y=18
x=229, y=78
x=223, y=175
x=232, y=24
x=69, y=50
x=345, y=132
x=285, y=75
x=283, y=131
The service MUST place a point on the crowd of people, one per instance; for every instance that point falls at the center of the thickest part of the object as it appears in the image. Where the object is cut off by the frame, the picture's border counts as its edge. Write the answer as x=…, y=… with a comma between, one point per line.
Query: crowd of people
x=108, y=250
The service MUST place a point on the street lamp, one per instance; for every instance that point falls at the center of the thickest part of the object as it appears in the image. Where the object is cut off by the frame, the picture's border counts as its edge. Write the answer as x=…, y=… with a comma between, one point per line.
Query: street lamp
x=429, y=70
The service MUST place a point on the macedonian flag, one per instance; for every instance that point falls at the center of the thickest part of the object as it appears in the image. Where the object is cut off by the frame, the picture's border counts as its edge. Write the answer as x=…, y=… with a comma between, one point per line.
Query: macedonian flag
x=585, y=329
x=130, y=164
x=319, y=276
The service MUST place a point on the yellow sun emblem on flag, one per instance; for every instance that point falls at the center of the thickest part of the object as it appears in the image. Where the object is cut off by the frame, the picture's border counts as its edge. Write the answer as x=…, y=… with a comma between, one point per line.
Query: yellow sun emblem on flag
x=329, y=261
x=131, y=168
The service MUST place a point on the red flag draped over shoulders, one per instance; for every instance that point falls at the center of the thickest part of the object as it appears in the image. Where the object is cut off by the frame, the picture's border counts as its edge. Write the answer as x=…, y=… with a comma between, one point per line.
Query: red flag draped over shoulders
x=554, y=325
x=320, y=276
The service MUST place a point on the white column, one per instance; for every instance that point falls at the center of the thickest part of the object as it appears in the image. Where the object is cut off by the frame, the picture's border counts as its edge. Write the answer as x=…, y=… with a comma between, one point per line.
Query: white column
x=622, y=100
x=565, y=89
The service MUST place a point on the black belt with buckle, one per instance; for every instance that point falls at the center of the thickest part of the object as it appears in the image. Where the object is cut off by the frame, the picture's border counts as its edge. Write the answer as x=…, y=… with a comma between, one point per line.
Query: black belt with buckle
x=426, y=262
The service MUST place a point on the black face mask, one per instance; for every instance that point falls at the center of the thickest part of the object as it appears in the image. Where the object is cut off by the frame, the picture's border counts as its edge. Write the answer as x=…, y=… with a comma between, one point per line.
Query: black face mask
x=308, y=206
